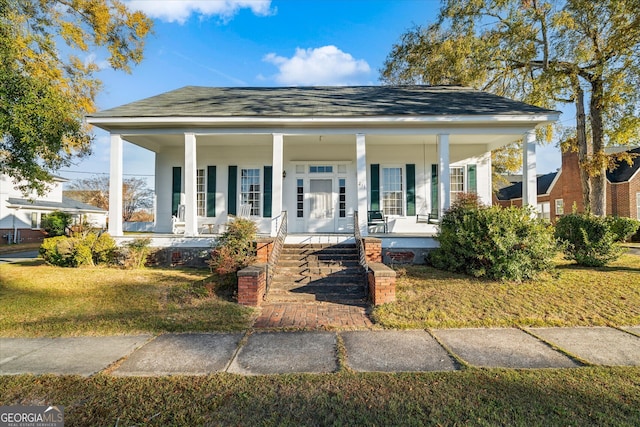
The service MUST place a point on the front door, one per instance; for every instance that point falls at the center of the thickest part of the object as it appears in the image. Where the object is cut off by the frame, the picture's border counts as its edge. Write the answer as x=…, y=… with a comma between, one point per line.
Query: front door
x=322, y=203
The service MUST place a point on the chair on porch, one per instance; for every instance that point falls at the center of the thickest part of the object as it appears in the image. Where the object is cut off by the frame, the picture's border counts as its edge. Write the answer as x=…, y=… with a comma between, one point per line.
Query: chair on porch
x=177, y=221
x=377, y=218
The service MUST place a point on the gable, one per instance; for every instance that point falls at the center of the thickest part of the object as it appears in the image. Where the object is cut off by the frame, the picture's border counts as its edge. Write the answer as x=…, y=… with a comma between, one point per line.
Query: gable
x=623, y=171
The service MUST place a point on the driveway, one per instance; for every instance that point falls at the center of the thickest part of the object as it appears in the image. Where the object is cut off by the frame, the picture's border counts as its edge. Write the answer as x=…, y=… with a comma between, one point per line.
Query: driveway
x=18, y=257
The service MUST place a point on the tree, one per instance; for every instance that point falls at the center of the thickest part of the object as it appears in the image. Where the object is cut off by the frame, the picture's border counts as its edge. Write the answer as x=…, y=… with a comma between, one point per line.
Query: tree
x=136, y=196
x=46, y=89
x=544, y=52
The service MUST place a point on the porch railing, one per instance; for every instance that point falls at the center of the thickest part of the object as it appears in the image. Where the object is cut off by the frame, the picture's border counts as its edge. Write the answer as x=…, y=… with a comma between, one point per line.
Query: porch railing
x=277, y=249
x=362, y=255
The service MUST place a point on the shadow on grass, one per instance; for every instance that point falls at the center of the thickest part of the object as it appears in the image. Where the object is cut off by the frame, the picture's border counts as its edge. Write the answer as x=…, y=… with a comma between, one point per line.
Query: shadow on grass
x=582, y=396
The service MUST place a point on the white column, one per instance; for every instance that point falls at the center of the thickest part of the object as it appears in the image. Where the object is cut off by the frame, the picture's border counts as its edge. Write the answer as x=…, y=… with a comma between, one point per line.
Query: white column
x=115, y=186
x=276, y=181
x=190, y=202
x=444, y=174
x=529, y=179
x=361, y=178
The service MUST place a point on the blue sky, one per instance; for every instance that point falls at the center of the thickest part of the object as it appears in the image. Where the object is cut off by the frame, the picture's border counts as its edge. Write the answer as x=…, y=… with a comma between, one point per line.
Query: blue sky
x=258, y=43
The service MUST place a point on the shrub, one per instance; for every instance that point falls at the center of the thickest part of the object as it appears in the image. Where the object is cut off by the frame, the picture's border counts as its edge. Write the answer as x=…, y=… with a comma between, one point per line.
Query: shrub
x=234, y=249
x=588, y=239
x=56, y=223
x=623, y=228
x=78, y=250
x=493, y=242
x=136, y=252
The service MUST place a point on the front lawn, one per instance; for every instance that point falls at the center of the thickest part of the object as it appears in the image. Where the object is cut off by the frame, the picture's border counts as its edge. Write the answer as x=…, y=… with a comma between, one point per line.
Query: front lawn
x=572, y=296
x=487, y=397
x=41, y=300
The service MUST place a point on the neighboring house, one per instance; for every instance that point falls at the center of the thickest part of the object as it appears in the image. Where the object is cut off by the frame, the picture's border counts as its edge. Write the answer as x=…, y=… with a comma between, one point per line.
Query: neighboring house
x=319, y=153
x=20, y=216
x=559, y=192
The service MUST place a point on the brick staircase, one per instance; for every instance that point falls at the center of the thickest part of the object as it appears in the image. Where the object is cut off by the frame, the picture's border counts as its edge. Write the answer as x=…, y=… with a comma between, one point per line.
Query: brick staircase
x=318, y=272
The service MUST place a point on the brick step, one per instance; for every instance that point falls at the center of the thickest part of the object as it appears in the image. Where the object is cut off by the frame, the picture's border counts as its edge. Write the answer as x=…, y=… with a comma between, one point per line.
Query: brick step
x=321, y=257
x=318, y=246
x=341, y=294
x=290, y=263
x=318, y=285
x=344, y=278
x=318, y=269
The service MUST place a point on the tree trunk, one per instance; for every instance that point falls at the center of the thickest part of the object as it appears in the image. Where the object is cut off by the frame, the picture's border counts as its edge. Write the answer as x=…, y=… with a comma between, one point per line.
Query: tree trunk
x=599, y=164
x=582, y=143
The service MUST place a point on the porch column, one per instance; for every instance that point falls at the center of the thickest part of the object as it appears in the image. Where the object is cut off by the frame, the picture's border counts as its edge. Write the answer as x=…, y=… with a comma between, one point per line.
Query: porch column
x=361, y=178
x=444, y=186
x=115, y=186
x=529, y=180
x=190, y=202
x=276, y=181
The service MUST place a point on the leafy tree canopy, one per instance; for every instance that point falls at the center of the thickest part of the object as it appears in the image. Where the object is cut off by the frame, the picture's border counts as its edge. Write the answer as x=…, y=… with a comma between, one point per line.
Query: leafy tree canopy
x=543, y=52
x=47, y=78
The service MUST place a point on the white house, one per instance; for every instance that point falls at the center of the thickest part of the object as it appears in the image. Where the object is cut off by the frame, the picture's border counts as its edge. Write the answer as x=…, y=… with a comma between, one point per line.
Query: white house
x=319, y=153
x=21, y=216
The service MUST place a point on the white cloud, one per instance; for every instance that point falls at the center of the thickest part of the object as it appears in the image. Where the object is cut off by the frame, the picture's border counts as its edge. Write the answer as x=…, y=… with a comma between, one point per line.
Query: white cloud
x=180, y=10
x=325, y=65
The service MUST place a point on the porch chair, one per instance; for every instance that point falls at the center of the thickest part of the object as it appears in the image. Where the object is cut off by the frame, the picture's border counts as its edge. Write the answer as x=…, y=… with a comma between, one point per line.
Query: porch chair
x=177, y=221
x=377, y=218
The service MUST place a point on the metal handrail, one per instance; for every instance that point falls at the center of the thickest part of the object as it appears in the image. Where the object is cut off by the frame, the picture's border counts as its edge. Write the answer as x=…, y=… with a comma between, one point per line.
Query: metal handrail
x=278, y=243
x=362, y=255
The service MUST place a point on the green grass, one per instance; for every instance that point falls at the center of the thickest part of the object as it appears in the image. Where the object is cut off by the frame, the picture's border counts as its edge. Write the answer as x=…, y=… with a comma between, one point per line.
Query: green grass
x=572, y=296
x=41, y=300
x=578, y=397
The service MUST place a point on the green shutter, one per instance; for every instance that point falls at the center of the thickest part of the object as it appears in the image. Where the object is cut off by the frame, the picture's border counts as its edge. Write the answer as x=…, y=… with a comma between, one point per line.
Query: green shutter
x=211, y=191
x=472, y=182
x=268, y=190
x=232, y=193
x=375, y=188
x=176, y=186
x=434, y=191
x=411, y=190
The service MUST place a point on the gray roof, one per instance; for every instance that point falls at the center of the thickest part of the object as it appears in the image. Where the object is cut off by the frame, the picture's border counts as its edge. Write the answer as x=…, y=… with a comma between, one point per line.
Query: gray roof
x=514, y=191
x=623, y=171
x=342, y=101
x=66, y=204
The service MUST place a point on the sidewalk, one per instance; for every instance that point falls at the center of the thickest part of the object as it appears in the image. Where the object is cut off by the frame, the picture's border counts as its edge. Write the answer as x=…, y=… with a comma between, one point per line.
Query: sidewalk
x=264, y=353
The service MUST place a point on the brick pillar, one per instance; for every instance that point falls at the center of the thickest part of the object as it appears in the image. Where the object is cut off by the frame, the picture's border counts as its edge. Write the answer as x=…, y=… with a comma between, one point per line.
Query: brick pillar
x=373, y=249
x=263, y=249
x=252, y=285
x=382, y=284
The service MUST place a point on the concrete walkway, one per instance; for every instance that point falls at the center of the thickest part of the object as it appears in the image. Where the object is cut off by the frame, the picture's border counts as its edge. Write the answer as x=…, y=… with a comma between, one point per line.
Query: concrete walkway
x=267, y=352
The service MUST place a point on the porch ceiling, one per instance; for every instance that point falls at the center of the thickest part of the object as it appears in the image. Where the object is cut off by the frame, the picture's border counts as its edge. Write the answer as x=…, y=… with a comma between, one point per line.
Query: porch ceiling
x=154, y=141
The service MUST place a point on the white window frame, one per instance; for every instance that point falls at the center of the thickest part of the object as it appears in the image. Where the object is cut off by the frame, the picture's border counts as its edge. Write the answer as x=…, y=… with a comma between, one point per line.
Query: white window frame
x=453, y=193
x=403, y=188
x=255, y=210
x=201, y=192
x=559, y=207
x=638, y=205
x=35, y=225
x=542, y=212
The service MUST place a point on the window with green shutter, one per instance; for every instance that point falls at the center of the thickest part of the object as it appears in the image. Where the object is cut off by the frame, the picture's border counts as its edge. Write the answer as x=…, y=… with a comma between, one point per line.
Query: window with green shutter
x=211, y=191
x=411, y=189
x=434, y=191
x=375, y=188
x=472, y=180
x=176, y=187
x=267, y=197
x=232, y=191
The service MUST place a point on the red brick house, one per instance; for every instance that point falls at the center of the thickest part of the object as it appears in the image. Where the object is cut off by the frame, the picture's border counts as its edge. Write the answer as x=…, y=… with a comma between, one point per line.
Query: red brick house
x=558, y=192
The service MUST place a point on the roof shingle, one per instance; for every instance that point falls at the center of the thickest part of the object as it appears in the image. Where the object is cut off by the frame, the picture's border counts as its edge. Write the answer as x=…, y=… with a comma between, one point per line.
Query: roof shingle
x=341, y=101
